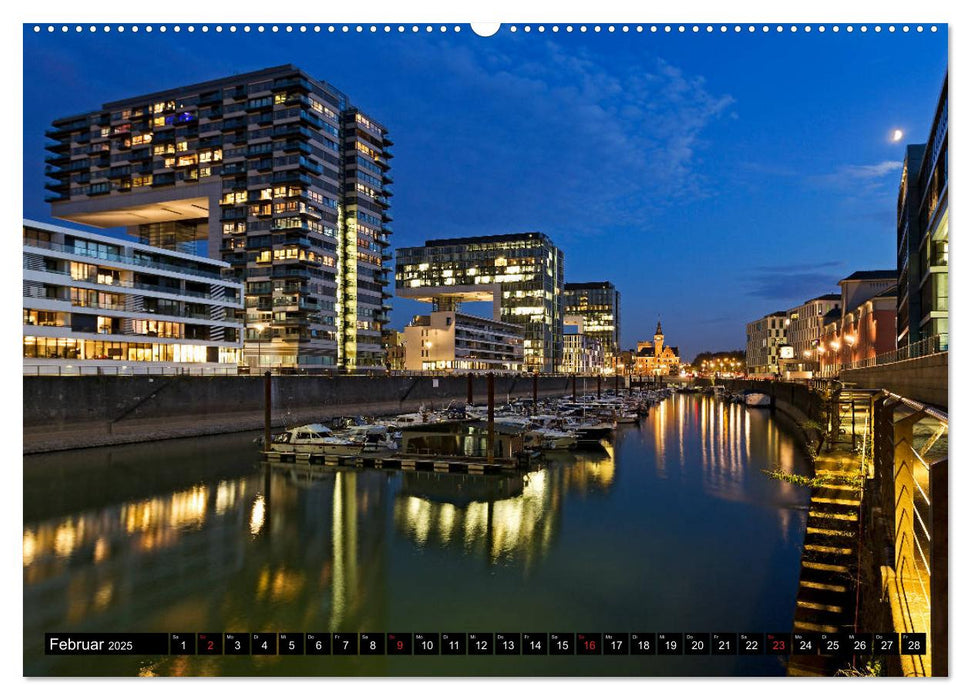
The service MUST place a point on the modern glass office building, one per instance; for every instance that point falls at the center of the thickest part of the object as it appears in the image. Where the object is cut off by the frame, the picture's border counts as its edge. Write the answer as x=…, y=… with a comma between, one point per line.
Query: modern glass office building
x=922, y=237
x=520, y=273
x=278, y=173
x=99, y=304
x=598, y=304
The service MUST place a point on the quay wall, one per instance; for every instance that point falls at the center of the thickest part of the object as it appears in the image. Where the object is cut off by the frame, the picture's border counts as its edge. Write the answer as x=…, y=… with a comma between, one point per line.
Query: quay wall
x=923, y=379
x=797, y=401
x=71, y=412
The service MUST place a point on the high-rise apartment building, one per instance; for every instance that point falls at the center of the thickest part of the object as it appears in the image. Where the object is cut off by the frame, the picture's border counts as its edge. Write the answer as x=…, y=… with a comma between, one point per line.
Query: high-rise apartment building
x=520, y=273
x=279, y=173
x=922, y=237
x=598, y=304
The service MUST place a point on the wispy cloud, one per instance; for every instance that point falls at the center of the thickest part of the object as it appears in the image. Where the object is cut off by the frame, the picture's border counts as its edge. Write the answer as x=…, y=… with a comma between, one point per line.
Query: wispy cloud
x=799, y=282
x=857, y=180
x=801, y=266
x=592, y=140
x=868, y=172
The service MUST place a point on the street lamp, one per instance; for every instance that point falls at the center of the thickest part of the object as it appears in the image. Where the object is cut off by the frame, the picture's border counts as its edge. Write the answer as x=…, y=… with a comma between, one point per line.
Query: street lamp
x=851, y=341
x=260, y=327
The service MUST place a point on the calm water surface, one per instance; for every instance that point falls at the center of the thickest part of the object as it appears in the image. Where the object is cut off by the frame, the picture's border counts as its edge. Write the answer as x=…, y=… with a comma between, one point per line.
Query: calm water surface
x=671, y=526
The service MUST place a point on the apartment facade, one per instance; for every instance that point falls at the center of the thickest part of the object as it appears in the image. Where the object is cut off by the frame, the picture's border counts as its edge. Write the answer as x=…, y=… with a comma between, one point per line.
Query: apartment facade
x=521, y=274
x=393, y=343
x=598, y=304
x=450, y=341
x=763, y=340
x=95, y=303
x=922, y=236
x=278, y=173
x=804, y=331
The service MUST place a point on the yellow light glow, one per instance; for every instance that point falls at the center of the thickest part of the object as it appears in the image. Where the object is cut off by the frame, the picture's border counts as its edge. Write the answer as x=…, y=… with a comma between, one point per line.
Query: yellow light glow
x=257, y=516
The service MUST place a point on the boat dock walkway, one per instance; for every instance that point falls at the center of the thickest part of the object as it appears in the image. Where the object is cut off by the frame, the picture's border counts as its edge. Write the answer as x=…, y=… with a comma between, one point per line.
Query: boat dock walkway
x=402, y=461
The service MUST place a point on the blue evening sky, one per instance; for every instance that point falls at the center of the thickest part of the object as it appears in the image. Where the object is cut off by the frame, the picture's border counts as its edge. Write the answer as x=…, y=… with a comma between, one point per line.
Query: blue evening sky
x=712, y=177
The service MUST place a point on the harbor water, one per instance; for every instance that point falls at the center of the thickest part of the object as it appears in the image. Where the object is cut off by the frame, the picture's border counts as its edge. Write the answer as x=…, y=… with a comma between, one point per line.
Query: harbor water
x=671, y=525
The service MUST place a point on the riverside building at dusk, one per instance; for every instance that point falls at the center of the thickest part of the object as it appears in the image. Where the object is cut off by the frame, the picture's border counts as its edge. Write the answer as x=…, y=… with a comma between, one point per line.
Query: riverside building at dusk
x=763, y=340
x=598, y=304
x=275, y=172
x=804, y=330
x=98, y=304
x=922, y=237
x=521, y=274
x=450, y=341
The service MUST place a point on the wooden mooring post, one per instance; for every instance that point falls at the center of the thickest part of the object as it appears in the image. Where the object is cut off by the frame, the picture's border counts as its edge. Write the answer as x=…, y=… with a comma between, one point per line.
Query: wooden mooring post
x=574, y=387
x=535, y=391
x=267, y=409
x=598, y=385
x=491, y=439
x=468, y=389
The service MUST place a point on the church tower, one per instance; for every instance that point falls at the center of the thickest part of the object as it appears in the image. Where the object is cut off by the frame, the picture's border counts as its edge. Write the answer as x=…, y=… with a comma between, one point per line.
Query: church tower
x=658, y=340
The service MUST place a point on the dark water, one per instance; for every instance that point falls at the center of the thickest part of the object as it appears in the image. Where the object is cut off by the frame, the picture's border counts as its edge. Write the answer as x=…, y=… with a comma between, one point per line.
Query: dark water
x=671, y=527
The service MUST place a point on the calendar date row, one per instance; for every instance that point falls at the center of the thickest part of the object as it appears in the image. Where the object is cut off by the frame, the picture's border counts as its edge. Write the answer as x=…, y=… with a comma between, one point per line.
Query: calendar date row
x=488, y=643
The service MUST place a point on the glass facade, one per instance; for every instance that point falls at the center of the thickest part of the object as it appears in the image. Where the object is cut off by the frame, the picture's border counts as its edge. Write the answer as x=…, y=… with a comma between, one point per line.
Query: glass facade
x=285, y=179
x=598, y=304
x=922, y=236
x=522, y=274
x=98, y=302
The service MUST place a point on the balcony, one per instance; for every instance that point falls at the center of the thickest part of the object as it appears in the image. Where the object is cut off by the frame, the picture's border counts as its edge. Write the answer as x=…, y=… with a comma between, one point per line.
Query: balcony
x=127, y=259
x=211, y=98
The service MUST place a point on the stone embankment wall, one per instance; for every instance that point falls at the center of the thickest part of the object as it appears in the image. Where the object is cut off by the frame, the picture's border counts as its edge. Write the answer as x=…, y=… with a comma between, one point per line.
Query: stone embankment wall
x=922, y=379
x=70, y=412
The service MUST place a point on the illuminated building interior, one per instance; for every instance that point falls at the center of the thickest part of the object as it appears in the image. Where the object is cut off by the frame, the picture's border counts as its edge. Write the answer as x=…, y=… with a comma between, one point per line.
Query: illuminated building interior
x=280, y=175
x=521, y=274
x=93, y=302
x=598, y=304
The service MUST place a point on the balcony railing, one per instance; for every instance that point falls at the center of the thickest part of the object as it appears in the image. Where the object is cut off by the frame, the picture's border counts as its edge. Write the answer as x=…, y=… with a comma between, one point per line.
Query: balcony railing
x=928, y=346
x=127, y=259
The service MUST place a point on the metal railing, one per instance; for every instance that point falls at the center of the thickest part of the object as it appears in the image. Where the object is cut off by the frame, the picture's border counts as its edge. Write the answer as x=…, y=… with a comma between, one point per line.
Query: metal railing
x=125, y=259
x=130, y=370
x=928, y=346
x=911, y=479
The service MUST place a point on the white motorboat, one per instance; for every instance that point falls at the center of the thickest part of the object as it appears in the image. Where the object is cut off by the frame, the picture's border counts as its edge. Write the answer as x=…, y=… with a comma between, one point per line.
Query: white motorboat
x=314, y=439
x=757, y=399
x=549, y=439
x=372, y=438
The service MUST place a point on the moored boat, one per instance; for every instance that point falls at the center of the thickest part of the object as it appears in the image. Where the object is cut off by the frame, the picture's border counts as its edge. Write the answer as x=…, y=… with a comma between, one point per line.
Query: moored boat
x=757, y=399
x=314, y=439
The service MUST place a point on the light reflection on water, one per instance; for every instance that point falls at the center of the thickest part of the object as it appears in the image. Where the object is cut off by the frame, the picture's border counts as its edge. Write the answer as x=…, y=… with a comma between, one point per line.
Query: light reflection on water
x=625, y=537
